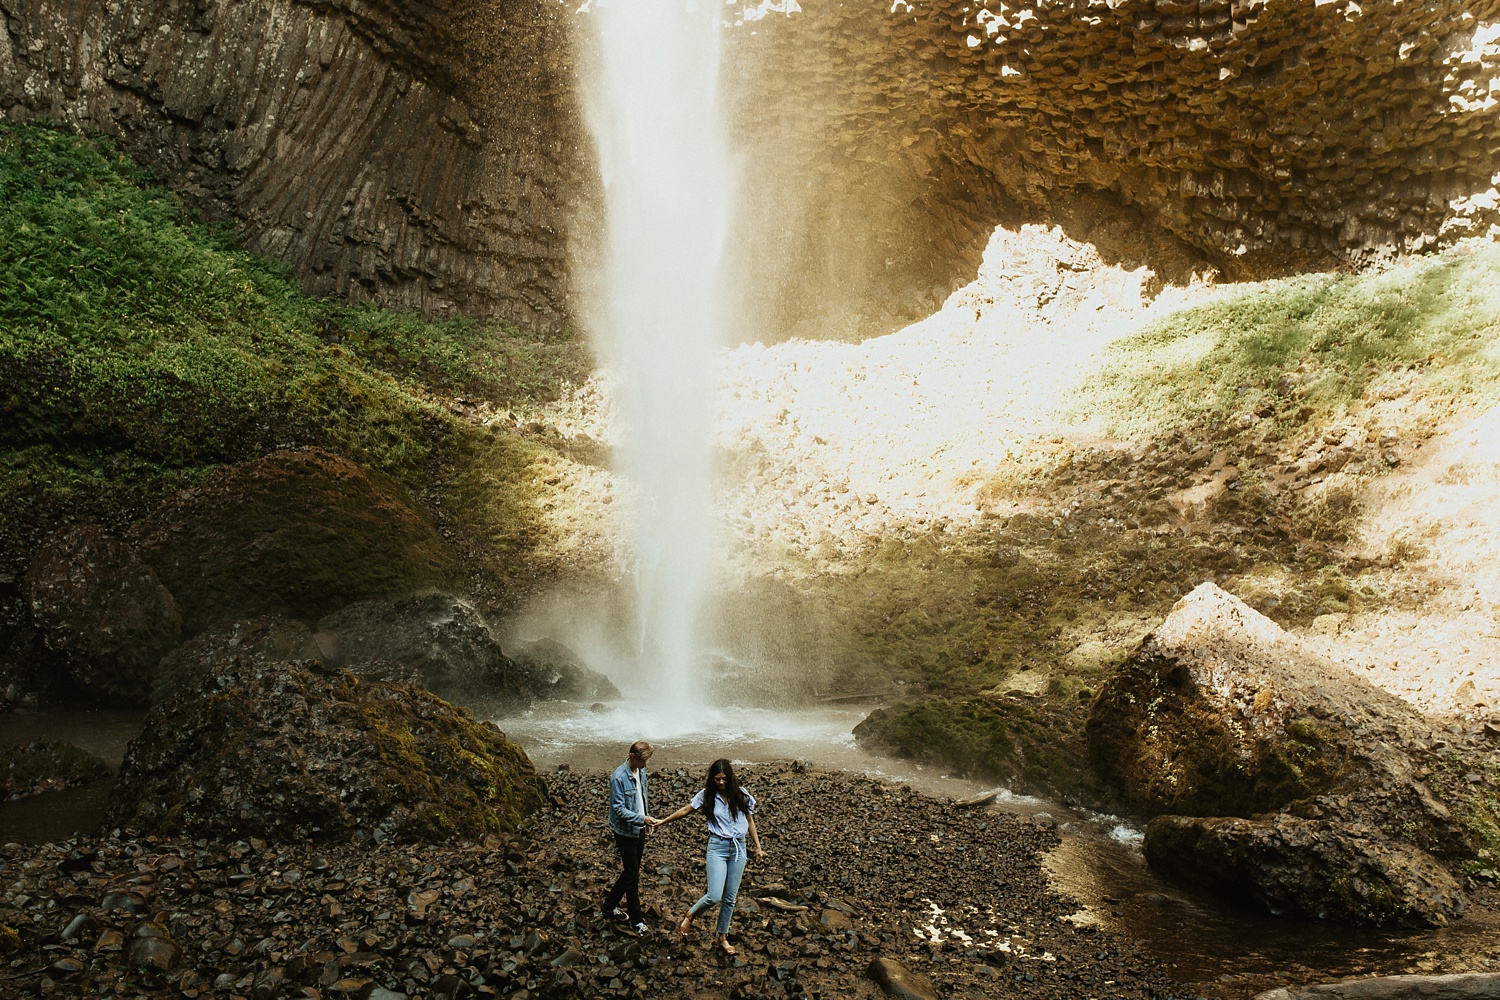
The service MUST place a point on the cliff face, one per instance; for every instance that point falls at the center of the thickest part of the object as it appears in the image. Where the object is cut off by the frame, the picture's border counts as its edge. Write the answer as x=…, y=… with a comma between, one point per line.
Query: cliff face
x=1249, y=137
x=430, y=156
x=409, y=153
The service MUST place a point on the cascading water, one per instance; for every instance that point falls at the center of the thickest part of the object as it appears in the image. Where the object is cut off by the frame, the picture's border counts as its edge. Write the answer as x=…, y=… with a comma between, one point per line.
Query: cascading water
x=653, y=109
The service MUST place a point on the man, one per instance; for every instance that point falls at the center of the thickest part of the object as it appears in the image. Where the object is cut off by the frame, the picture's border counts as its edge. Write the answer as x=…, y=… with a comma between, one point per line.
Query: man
x=629, y=819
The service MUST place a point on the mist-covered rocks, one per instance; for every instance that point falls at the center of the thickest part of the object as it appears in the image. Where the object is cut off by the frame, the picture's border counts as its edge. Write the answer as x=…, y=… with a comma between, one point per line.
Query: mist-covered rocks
x=294, y=752
x=554, y=672
x=103, y=617
x=440, y=641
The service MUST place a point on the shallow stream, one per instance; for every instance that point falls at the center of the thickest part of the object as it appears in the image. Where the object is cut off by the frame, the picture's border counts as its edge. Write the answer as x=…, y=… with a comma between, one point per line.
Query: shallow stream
x=1212, y=949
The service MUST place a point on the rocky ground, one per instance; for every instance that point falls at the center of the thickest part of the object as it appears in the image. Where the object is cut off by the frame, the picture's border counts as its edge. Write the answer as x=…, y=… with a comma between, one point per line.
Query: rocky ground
x=855, y=870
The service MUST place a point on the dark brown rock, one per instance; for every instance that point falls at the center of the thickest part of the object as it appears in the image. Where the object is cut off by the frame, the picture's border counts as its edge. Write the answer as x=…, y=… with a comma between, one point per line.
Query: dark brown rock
x=439, y=640
x=302, y=751
x=1308, y=868
x=267, y=639
x=102, y=611
x=299, y=533
x=46, y=766
x=899, y=981
x=555, y=672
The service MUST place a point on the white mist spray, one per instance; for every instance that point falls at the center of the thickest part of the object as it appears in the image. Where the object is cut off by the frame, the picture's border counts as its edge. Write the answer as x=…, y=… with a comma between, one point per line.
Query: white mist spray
x=654, y=112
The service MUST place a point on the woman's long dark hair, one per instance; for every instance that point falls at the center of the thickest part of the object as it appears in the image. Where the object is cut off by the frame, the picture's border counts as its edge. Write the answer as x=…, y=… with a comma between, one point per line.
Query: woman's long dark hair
x=733, y=793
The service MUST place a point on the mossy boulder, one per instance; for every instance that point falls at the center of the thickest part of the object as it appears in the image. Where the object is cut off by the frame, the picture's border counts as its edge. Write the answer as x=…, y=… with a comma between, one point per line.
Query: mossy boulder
x=49, y=765
x=300, y=532
x=298, y=751
x=1031, y=743
x=1308, y=868
x=102, y=615
x=1220, y=712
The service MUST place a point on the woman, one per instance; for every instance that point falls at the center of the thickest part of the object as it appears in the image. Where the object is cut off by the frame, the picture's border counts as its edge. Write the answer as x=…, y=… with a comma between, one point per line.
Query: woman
x=730, y=812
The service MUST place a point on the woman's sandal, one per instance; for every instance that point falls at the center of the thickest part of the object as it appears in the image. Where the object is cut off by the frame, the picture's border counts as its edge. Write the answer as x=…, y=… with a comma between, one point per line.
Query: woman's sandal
x=729, y=949
x=685, y=925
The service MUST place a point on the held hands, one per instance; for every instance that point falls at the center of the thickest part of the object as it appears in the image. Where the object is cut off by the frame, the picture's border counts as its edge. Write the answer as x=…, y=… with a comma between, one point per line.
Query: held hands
x=652, y=822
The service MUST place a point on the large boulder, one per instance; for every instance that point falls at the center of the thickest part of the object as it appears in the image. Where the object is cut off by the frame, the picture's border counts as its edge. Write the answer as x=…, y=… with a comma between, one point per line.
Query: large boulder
x=1308, y=868
x=102, y=614
x=437, y=641
x=267, y=639
x=1220, y=712
x=291, y=752
x=1220, y=717
x=299, y=532
x=553, y=672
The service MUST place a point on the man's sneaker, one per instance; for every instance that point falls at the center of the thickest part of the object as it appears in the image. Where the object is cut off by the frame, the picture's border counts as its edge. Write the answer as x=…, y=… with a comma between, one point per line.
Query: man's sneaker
x=619, y=914
x=640, y=928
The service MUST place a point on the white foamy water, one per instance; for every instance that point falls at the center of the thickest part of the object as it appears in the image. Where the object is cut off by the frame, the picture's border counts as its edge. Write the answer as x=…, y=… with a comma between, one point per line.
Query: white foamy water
x=653, y=109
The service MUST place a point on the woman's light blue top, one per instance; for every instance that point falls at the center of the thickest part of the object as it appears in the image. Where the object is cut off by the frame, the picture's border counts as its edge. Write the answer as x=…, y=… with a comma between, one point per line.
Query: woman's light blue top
x=723, y=824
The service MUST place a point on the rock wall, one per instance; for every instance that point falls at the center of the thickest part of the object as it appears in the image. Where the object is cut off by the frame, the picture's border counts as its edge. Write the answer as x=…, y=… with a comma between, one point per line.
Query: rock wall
x=431, y=156
x=1251, y=137
x=415, y=154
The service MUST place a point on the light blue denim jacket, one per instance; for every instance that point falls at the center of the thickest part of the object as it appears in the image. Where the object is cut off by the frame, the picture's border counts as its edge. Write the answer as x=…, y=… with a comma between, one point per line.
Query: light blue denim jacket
x=623, y=818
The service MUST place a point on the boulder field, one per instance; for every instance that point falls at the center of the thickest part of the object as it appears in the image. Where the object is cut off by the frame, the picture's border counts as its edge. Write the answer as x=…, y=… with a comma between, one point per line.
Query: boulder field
x=1277, y=775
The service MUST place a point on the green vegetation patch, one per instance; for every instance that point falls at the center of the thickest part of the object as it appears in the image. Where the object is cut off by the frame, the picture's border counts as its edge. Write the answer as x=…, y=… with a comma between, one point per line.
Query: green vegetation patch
x=1032, y=744
x=1291, y=350
x=140, y=350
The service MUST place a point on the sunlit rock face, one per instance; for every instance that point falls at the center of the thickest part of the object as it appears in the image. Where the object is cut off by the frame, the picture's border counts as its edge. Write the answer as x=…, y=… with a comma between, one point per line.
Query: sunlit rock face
x=406, y=153
x=1249, y=137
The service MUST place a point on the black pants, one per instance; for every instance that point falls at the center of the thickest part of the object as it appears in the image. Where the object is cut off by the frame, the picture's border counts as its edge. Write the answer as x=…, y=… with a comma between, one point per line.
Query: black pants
x=629, y=882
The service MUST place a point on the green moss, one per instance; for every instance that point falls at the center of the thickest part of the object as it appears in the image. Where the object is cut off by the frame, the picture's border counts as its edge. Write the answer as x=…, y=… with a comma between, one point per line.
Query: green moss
x=1031, y=744
x=139, y=350
x=1305, y=347
x=10, y=940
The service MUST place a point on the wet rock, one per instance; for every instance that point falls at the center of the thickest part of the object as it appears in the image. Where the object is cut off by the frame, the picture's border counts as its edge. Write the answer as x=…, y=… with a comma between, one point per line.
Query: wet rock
x=299, y=533
x=303, y=751
x=267, y=639
x=1308, y=868
x=1221, y=712
x=153, y=949
x=1463, y=986
x=46, y=766
x=899, y=981
x=101, y=612
x=439, y=638
x=554, y=672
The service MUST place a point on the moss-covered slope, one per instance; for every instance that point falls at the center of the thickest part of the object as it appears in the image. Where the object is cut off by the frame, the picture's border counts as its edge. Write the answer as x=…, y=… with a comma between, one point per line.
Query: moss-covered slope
x=140, y=350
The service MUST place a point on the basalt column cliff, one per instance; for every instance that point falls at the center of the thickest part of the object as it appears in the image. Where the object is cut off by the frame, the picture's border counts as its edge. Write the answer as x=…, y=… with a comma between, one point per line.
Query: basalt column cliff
x=1251, y=138
x=430, y=156
x=407, y=153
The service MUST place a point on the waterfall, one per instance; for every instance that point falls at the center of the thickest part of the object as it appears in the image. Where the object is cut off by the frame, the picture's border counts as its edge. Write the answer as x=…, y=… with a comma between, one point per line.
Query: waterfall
x=653, y=109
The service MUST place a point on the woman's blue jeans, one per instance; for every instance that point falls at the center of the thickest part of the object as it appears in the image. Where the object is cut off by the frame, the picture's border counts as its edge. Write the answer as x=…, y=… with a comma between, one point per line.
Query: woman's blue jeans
x=726, y=866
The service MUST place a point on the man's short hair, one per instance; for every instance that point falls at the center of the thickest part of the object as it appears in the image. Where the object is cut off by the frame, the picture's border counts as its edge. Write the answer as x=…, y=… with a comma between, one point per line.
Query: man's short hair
x=641, y=749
